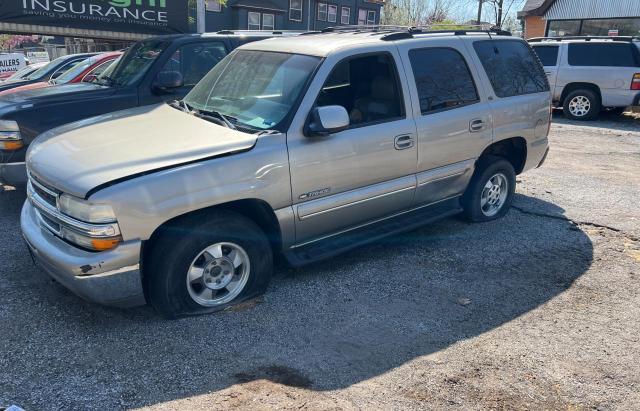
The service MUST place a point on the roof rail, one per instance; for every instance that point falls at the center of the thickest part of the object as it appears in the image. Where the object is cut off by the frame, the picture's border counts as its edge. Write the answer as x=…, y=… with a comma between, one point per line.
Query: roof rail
x=392, y=33
x=585, y=38
x=259, y=32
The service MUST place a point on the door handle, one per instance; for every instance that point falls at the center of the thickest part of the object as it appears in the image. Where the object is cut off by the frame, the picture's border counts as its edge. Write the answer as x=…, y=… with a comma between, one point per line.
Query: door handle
x=476, y=125
x=403, y=142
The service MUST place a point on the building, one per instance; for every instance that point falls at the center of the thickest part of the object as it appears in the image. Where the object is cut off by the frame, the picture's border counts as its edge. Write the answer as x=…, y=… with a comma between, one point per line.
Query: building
x=290, y=14
x=581, y=18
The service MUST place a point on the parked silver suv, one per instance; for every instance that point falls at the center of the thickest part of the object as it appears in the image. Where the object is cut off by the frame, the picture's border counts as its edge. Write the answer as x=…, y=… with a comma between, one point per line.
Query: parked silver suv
x=303, y=146
x=588, y=74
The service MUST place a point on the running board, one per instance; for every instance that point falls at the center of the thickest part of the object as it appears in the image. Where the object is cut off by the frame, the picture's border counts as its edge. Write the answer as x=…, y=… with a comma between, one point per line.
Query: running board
x=337, y=244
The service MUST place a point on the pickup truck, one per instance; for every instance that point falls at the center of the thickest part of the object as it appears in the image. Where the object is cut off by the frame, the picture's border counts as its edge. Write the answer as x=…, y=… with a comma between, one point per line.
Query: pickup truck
x=151, y=71
x=304, y=147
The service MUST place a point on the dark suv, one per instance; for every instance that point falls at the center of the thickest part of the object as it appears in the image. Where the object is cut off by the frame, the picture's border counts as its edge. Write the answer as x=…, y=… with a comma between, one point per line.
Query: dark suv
x=152, y=71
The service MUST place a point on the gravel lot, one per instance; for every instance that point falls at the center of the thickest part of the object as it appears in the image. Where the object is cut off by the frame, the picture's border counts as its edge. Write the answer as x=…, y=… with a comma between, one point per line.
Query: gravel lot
x=537, y=311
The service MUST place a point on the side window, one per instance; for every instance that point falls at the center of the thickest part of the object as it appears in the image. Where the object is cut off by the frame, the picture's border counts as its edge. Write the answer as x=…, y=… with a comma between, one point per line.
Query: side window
x=511, y=67
x=442, y=78
x=195, y=60
x=367, y=87
x=66, y=67
x=602, y=54
x=548, y=55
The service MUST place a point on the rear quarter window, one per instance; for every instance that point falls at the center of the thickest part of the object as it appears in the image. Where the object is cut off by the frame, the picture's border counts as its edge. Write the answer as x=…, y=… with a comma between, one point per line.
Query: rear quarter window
x=512, y=67
x=548, y=55
x=603, y=55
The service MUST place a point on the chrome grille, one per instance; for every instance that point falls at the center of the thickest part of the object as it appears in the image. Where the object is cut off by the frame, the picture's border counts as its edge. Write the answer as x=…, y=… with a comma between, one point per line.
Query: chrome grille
x=48, y=195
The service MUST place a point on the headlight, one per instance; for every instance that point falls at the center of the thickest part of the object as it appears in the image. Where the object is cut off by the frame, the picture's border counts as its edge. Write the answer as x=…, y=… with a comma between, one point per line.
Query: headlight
x=85, y=211
x=90, y=242
x=10, y=138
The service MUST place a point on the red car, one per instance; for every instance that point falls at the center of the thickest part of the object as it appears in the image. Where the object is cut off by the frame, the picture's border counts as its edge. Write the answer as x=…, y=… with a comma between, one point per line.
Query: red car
x=85, y=71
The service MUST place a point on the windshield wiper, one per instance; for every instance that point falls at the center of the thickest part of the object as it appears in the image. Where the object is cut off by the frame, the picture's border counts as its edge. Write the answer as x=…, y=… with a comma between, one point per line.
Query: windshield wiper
x=216, y=115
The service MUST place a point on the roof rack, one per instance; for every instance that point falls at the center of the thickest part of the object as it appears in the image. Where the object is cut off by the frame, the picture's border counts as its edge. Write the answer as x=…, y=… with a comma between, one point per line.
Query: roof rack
x=585, y=38
x=260, y=32
x=392, y=33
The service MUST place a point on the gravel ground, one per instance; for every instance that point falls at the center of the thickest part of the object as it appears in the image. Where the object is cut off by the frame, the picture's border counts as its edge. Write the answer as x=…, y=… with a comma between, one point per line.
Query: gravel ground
x=536, y=311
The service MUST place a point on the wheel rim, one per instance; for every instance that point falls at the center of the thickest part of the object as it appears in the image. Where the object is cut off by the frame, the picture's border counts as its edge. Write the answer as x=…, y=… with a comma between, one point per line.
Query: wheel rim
x=218, y=274
x=494, y=194
x=579, y=106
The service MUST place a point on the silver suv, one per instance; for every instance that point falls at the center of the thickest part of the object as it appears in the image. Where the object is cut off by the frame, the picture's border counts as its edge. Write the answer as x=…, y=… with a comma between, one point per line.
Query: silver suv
x=303, y=146
x=589, y=74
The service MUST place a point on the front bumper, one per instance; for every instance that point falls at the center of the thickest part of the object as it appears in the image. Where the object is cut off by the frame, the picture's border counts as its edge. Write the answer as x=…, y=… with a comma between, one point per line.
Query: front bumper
x=109, y=278
x=14, y=174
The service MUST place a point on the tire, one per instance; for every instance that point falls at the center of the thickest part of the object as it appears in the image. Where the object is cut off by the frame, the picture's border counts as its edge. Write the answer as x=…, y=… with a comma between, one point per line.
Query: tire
x=224, y=248
x=582, y=104
x=488, y=168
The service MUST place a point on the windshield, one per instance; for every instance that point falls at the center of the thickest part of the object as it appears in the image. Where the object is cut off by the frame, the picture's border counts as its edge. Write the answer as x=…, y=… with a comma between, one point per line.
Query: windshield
x=22, y=72
x=76, y=70
x=255, y=88
x=133, y=65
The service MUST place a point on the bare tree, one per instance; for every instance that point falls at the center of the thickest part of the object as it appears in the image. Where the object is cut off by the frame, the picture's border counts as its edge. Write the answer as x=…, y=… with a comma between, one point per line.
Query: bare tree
x=415, y=12
x=502, y=8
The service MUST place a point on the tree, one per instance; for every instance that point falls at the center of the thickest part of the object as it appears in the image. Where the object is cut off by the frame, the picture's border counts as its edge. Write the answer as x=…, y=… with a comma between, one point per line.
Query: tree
x=8, y=41
x=502, y=8
x=414, y=12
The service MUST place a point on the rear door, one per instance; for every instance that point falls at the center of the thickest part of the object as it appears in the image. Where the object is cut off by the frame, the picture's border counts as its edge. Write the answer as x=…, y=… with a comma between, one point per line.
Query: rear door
x=452, y=115
x=549, y=57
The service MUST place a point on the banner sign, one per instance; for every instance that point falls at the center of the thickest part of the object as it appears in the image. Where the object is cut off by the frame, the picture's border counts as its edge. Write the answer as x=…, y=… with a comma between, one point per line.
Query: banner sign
x=37, y=57
x=10, y=63
x=128, y=16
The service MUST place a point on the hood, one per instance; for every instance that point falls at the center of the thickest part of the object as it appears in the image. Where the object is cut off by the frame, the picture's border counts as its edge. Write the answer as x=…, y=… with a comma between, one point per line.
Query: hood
x=81, y=156
x=62, y=92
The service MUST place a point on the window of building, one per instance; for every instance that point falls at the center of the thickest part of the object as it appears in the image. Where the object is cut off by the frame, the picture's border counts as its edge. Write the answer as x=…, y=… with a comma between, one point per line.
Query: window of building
x=332, y=15
x=322, y=12
x=345, y=17
x=511, y=67
x=213, y=5
x=442, y=78
x=366, y=17
x=367, y=87
x=254, y=21
x=195, y=60
x=603, y=54
x=563, y=28
x=295, y=10
x=548, y=55
x=268, y=21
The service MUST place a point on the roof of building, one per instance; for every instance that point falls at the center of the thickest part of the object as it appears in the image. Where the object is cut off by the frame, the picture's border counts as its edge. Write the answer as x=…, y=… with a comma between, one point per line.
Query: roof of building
x=535, y=8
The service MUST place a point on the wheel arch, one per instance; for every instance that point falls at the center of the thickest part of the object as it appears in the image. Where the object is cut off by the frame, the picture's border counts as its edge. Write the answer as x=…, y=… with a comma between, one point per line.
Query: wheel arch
x=512, y=149
x=256, y=210
x=578, y=86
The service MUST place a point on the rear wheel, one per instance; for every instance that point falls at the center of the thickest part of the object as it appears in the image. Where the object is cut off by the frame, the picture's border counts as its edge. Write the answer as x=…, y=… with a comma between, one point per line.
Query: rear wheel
x=199, y=266
x=582, y=104
x=490, y=192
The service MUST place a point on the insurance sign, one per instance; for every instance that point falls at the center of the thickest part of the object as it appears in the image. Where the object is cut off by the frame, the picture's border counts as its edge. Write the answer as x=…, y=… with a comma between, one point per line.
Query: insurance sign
x=129, y=16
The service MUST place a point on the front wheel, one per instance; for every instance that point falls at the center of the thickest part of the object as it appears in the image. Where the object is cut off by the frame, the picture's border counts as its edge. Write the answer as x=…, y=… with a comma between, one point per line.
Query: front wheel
x=203, y=264
x=490, y=192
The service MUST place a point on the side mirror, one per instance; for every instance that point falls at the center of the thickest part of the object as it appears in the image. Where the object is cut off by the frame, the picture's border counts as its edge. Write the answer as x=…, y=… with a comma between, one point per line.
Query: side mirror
x=326, y=120
x=89, y=78
x=167, y=80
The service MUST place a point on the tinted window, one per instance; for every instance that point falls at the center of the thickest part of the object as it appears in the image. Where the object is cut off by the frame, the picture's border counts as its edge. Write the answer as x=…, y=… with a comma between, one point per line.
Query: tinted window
x=548, y=55
x=367, y=87
x=442, y=78
x=194, y=61
x=602, y=54
x=512, y=67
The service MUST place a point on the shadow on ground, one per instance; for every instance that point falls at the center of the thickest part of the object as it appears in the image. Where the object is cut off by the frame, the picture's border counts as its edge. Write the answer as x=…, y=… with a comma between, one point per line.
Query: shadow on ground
x=607, y=120
x=323, y=327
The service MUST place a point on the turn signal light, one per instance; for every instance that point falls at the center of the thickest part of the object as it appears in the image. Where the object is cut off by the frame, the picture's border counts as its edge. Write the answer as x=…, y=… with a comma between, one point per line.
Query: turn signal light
x=104, y=245
x=11, y=145
x=635, y=83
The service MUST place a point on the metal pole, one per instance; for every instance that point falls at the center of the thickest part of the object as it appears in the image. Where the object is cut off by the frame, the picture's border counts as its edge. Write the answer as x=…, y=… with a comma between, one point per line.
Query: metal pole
x=479, y=11
x=200, y=13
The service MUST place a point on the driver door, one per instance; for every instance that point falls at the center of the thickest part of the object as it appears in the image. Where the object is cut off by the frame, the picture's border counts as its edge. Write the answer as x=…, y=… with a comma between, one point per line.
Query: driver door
x=365, y=172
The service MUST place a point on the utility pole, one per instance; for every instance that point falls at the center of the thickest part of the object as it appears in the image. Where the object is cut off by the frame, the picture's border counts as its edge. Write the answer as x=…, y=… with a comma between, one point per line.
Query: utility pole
x=479, y=11
x=200, y=16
